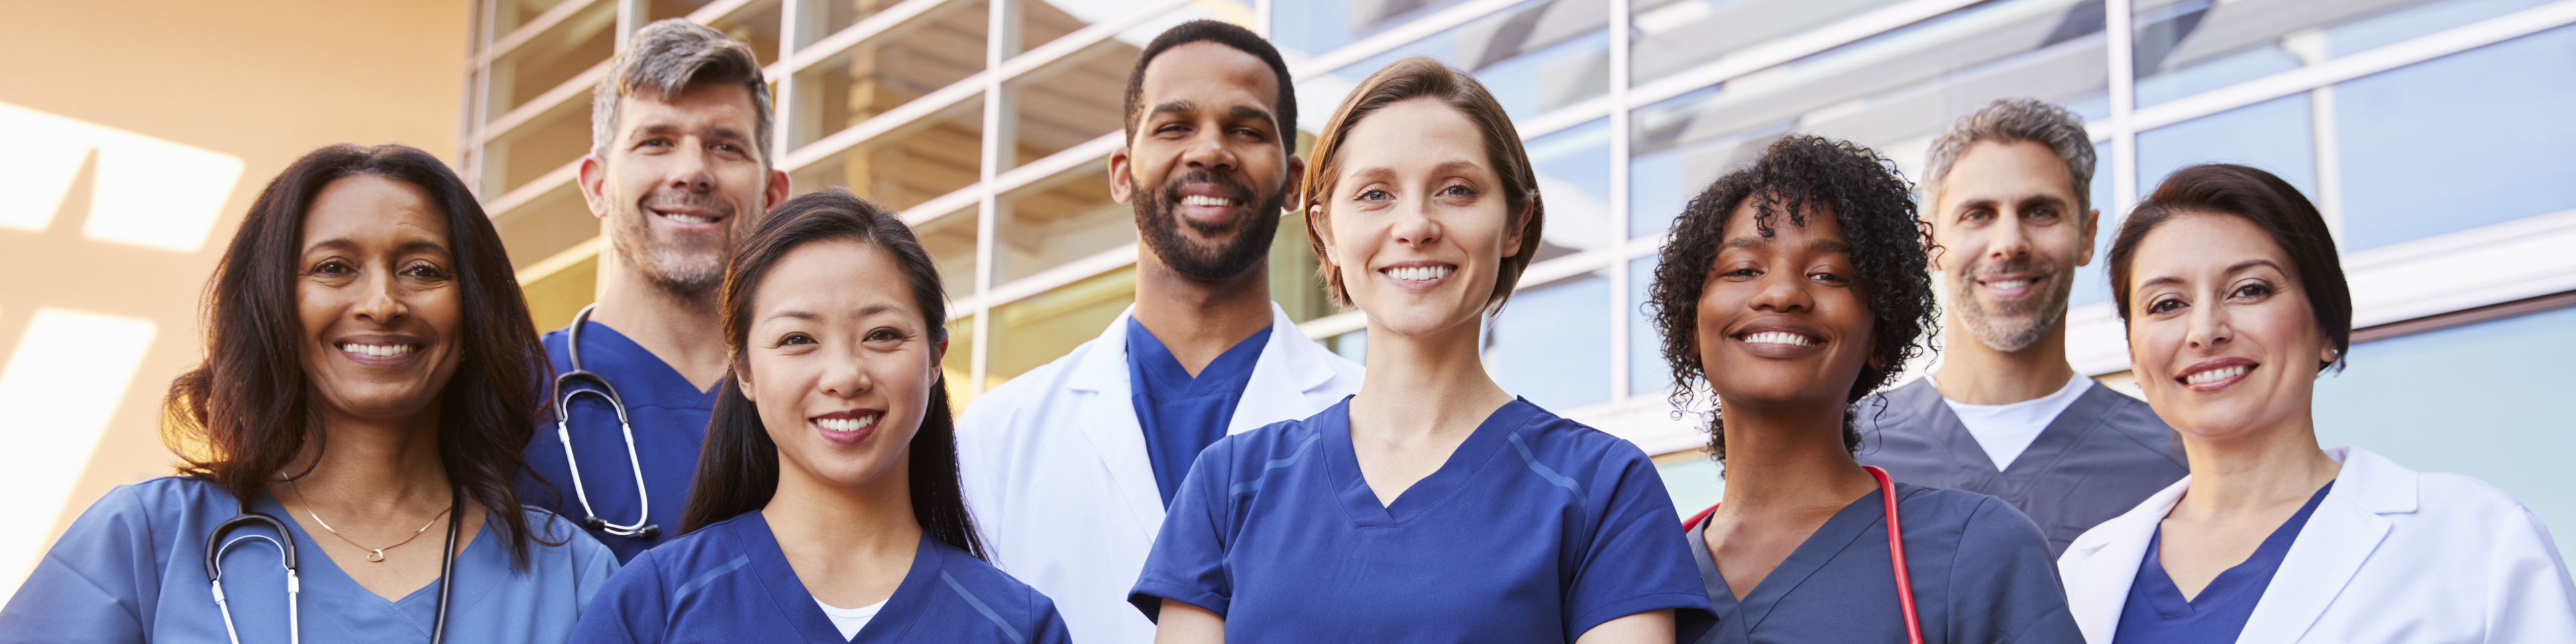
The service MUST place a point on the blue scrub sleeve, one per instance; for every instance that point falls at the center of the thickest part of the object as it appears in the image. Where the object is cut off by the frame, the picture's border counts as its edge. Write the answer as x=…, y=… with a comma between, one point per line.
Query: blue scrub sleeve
x=1050, y=626
x=2004, y=586
x=630, y=609
x=1187, y=563
x=1639, y=560
x=97, y=579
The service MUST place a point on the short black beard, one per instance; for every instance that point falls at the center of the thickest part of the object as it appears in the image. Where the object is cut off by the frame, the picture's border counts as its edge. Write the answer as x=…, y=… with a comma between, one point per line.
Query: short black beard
x=1160, y=229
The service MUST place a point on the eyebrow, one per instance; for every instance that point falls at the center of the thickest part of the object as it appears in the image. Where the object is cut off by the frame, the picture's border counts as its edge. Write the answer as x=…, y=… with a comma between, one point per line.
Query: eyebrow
x=344, y=243
x=2025, y=202
x=725, y=132
x=802, y=314
x=1250, y=113
x=1175, y=106
x=2239, y=267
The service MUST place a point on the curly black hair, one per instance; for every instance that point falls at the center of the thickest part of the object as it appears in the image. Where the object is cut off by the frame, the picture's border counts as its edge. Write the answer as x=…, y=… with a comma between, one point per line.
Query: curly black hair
x=1798, y=176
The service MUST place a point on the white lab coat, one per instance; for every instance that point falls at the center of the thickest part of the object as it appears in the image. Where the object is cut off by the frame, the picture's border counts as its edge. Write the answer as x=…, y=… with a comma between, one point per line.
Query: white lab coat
x=1056, y=472
x=2390, y=555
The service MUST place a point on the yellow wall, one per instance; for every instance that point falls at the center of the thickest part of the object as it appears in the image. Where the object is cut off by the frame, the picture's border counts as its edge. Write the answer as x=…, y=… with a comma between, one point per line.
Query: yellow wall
x=258, y=82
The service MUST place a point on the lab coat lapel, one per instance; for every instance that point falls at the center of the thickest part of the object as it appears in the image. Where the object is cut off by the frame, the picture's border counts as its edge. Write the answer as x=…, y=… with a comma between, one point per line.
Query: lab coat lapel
x=1108, y=419
x=1281, y=377
x=2101, y=564
x=2338, y=539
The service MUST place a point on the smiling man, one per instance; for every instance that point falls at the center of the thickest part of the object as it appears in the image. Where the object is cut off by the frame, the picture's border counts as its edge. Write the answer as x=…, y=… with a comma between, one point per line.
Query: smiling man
x=2005, y=414
x=1069, y=467
x=678, y=168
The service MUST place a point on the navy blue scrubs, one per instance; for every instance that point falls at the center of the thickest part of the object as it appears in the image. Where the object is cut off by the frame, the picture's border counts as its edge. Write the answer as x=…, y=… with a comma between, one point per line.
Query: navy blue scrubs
x=669, y=415
x=2156, y=612
x=1182, y=414
x=1536, y=530
x=1981, y=573
x=729, y=582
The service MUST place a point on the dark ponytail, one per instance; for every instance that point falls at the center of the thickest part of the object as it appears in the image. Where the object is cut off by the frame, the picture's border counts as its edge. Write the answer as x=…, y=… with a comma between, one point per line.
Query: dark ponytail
x=738, y=465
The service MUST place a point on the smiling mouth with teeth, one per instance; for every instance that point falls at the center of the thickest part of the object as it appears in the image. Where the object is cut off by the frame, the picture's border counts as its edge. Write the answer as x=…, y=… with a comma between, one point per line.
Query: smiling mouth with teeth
x=688, y=219
x=377, y=349
x=2215, y=375
x=1419, y=273
x=1779, y=337
x=847, y=424
x=1205, y=200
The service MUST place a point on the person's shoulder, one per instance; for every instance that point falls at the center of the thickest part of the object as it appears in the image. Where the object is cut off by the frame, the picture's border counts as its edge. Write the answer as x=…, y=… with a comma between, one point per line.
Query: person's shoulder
x=554, y=534
x=1557, y=435
x=1983, y=518
x=1017, y=394
x=1014, y=601
x=1278, y=439
x=162, y=495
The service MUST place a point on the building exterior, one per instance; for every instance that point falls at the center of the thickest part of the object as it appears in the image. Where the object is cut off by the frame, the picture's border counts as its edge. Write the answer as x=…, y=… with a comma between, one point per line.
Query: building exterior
x=2431, y=133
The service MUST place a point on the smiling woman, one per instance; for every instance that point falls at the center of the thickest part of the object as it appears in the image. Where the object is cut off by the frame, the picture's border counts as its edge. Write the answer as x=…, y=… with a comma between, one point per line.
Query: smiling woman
x=829, y=472
x=369, y=376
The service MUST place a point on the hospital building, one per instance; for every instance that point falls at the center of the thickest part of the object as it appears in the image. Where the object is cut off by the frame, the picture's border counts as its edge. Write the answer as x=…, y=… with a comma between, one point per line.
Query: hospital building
x=2433, y=134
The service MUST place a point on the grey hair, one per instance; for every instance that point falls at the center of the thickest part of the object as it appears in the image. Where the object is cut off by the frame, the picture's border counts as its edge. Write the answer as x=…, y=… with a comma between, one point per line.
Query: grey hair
x=667, y=56
x=2017, y=119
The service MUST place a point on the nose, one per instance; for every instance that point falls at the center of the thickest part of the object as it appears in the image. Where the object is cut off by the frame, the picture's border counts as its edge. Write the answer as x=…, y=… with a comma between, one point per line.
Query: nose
x=2008, y=239
x=1414, y=224
x=845, y=374
x=378, y=301
x=2209, y=328
x=1782, y=292
x=1207, y=151
x=690, y=171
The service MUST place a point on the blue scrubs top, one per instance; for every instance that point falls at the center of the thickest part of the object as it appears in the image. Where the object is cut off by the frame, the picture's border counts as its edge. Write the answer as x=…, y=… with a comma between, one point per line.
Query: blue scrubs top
x=1981, y=573
x=2156, y=613
x=669, y=416
x=1536, y=530
x=729, y=582
x=1182, y=414
x=132, y=569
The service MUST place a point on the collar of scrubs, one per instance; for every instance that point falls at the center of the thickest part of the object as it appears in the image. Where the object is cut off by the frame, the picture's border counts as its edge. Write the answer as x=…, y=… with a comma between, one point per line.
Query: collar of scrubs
x=330, y=594
x=1165, y=380
x=642, y=378
x=2243, y=582
x=1919, y=400
x=1360, y=501
x=1861, y=518
x=779, y=580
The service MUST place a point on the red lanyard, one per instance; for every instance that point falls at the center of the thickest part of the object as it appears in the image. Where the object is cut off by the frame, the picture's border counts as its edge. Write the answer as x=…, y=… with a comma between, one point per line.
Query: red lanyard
x=1895, y=551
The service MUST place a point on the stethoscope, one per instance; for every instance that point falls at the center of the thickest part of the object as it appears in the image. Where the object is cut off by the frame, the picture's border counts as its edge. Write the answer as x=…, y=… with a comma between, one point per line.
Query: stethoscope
x=216, y=546
x=1895, y=551
x=641, y=528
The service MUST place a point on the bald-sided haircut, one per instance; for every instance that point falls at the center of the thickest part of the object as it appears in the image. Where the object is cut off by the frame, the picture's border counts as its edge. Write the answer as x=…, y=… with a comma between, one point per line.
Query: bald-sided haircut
x=668, y=56
x=2017, y=119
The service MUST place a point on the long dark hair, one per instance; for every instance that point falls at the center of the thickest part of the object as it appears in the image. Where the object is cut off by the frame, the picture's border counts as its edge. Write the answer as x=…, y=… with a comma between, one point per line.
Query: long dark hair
x=241, y=417
x=738, y=465
x=2273, y=205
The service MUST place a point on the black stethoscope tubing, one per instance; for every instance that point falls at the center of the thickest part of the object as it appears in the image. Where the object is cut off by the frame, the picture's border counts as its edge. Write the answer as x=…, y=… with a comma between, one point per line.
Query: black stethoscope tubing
x=216, y=546
x=564, y=393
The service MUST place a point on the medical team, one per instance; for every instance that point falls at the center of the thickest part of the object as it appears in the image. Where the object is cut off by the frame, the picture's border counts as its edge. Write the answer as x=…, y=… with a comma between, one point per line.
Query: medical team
x=748, y=437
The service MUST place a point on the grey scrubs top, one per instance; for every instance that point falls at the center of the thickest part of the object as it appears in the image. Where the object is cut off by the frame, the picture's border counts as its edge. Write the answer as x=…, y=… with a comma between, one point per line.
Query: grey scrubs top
x=2102, y=456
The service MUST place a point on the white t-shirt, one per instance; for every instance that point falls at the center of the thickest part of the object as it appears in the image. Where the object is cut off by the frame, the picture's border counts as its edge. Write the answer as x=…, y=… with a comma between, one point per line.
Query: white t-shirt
x=2006, y=430
x=850, y=620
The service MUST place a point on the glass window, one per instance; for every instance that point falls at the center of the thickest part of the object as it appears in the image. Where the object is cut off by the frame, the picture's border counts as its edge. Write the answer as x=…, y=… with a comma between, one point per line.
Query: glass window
x=2467, y=140
x=822, y=18
x=756, y=24
x=1041, y=328
x=1293, y=284
x=549, y=224
x=512, y=14
x=2190, y=46
x=1695, y=480
x=1311, y=28
x=958, y=366
x=1351, y=345
x=900, y=169
x=950, y=238
x=2470, y=399
x=1533, y=58
x=2273, y=136
x=2422, y=18
x=1669, y=36
x=2093, y=281
x=542, y=144
x=1044, y=21
x=1058, y=220
x=552, y=57
x=1069, y=102
x=555, y=297
x=1573, y=168
x=1892, y=92
x=938, y=48
x=1547, y=344
x=1647, y=371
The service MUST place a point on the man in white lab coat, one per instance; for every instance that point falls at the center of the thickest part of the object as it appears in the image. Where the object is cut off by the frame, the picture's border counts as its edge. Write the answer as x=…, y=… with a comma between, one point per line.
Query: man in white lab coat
x=1068, y=467
x=2005, y=191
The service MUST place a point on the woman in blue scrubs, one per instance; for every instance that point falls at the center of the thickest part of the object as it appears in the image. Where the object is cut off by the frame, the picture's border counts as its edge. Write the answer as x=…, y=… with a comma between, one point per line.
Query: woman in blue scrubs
x=369, y=375
x=1432, y=506
x=1793, y=288
x=826, y=506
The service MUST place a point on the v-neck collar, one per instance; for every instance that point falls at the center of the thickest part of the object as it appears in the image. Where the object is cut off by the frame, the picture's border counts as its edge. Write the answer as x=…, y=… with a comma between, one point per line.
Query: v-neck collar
x=788, y=593
x=638, y=371
x=1360, y=502
x=2042, y=455
x=1860, y=518
x=2252, y=575
x=330, y=583
x=1148, y=357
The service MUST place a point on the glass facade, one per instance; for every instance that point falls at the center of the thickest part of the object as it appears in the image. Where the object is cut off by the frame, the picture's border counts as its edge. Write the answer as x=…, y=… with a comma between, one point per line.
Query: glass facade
x=988, y=122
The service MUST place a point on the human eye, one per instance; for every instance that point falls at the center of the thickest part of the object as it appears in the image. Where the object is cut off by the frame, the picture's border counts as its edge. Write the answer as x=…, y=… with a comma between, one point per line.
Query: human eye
x=424, y=271
x=887, y=334
x=1374, y=194
x=332, y=267
x=1458, y=190
x=2164, y=305
x=2252, y=291
x=794, y=338
x=1829, y=276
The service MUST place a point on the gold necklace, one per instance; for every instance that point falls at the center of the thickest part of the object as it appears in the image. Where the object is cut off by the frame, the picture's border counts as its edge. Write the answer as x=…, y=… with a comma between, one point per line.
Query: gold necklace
x=374, y=555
